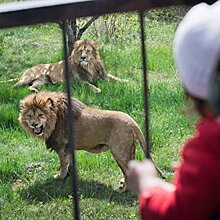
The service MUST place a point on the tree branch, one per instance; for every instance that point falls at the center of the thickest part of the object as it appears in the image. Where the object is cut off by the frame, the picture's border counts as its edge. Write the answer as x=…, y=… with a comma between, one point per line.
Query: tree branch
x=83, y=29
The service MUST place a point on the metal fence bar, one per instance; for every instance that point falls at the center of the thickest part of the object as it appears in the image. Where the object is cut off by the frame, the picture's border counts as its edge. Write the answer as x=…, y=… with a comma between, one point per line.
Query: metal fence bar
x=35, y=12
x=145, y=84
x=71, y=132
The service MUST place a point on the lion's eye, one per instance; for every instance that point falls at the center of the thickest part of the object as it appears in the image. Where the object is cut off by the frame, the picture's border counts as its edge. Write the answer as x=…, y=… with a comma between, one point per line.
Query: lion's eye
x=80, y=50
x=40, y=114
x=88, y=51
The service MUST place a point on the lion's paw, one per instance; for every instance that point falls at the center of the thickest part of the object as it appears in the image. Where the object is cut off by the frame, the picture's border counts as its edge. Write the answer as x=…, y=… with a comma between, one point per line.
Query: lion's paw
x=122, y=187
x=59, y=176
x=97, y=90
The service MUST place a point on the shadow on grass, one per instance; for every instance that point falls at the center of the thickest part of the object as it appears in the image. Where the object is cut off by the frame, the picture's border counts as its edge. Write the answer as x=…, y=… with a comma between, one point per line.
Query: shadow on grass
x=54, y=189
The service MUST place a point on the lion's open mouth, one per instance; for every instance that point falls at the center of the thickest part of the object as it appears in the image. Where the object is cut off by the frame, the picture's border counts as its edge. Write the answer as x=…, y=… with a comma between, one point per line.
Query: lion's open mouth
x=38, y=131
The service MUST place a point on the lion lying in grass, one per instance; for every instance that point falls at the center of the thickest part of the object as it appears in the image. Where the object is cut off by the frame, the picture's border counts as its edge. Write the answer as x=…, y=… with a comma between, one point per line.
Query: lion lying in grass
x=44, y=115
x=85, y=64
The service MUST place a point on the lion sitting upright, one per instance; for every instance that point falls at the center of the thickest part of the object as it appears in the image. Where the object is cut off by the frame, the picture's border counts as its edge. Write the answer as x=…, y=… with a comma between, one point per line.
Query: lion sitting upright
x=85, y=64
x=44, y=115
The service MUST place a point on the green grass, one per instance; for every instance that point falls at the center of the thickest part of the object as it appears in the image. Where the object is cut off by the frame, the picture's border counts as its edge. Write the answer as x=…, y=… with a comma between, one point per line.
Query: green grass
x=27, y=187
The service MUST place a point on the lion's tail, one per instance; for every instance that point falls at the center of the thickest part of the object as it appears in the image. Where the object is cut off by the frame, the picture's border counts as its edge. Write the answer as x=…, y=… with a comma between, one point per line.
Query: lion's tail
x=9, y=80
x=140, y=137
x=143, y=144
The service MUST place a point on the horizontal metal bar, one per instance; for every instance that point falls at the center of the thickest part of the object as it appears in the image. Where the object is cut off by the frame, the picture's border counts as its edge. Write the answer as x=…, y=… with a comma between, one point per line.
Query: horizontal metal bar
x=34, y=12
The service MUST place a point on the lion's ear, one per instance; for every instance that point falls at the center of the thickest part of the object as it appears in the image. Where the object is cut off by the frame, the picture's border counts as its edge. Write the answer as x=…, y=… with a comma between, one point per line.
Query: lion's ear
x=95, y=44
x=50, y=103
x=22, y=104
x=77, y=43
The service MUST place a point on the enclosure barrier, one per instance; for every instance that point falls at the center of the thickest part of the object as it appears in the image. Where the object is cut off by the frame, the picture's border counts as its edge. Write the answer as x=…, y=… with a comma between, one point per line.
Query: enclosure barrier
x=34, y=12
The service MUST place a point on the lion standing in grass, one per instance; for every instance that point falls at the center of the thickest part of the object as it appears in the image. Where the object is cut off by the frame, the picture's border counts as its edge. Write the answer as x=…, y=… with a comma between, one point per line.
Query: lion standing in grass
x=85, y=64
x=44, y=115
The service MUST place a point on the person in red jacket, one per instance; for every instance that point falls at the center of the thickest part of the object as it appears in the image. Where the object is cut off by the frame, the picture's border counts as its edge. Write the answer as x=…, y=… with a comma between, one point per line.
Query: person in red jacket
x=195, y=191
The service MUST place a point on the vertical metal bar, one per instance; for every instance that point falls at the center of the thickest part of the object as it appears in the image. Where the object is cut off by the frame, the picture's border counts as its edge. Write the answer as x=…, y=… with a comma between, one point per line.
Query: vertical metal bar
x=145, y=80
x=71, y=135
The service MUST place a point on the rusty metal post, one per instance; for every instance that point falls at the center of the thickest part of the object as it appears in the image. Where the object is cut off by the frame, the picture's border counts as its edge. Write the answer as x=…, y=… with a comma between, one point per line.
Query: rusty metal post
x=71, y=132
x=145, y=83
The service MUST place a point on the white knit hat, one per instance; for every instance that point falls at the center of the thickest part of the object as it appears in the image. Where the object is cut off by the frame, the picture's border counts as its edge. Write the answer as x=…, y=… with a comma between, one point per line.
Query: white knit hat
x=197, y=48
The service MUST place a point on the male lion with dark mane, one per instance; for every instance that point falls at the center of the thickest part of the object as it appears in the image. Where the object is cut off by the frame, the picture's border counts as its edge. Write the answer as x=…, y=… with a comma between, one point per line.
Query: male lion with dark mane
x=85, y=64
x=44, y=115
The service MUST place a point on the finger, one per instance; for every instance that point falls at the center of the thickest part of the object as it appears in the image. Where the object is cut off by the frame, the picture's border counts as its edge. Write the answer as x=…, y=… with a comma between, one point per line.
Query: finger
x=133, y=164
x=145, y=167
x=149, y=167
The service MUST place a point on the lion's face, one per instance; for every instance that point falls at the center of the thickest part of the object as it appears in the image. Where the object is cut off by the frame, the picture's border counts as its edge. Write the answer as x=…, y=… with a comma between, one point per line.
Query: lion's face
x=37, y=116
x=86, y=62
x=36, y=120
x=85, y=52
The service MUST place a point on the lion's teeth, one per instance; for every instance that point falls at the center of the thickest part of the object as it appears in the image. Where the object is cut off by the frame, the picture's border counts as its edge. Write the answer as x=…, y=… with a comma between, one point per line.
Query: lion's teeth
x=37, y=130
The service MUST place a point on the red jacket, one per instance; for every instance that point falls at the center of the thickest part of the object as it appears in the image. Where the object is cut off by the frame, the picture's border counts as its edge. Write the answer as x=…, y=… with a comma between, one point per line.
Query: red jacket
x=197, y=181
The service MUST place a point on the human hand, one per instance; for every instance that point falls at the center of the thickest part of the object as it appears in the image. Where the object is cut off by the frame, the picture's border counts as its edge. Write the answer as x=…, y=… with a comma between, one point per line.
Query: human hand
x=142, y=177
